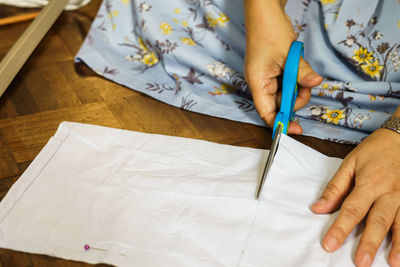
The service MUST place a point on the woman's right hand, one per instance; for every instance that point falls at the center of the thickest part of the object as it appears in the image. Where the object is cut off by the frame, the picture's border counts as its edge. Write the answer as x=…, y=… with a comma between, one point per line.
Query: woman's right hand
x=269, y=34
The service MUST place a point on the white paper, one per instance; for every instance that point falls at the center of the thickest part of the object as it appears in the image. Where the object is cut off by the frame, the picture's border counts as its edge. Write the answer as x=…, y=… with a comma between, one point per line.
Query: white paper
x=152, y=200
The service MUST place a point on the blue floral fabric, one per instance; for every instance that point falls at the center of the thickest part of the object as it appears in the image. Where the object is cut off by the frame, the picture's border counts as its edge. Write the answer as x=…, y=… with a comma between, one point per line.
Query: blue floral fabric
x=190, y=54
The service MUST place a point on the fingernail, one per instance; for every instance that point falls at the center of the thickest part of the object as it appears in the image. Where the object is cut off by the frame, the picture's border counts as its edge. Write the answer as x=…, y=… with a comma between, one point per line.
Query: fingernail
x=330, y=243
x=311, y=76
x=319, y=203
x=366, y=260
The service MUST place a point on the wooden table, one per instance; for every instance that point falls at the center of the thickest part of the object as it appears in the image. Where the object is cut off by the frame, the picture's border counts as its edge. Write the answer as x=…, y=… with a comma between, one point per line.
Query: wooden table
x=50, y=89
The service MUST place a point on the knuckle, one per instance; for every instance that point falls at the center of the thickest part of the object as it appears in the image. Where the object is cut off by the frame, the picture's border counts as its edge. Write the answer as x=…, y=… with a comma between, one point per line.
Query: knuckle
x=394, y=188
x=380, y=220
x=331, y=188
x=305, y=68
x=251, y=80
x=396, y=226
x=339, y=232
x=274, y=70
x=300, y=104
x=265, y=117
x=370, y=245
x=352, y=212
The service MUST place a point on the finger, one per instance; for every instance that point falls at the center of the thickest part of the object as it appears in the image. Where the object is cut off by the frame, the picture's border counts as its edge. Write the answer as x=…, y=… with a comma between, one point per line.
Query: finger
x=379, y=220
x=353, y=210
x=295, y=128
x=264, y=96
x=394, y=255
x=307, y=76
x=302, y=98
x=337, y=188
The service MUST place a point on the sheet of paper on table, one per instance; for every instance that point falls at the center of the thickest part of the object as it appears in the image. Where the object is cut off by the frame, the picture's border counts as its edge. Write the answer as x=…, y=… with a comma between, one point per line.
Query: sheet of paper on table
x=151, y=200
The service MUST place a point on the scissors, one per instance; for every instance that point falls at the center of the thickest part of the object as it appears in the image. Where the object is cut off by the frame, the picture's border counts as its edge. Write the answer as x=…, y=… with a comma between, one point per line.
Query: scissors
x=286, y=113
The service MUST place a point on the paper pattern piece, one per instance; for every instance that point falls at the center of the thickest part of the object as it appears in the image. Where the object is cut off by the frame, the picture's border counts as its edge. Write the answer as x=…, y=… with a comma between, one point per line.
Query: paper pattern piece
x=154, y=200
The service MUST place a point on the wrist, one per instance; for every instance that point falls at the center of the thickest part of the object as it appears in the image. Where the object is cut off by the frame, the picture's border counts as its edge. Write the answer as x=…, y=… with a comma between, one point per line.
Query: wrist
x=386, y=137
x=267, y=23
x=392, y=123
x=260, y=13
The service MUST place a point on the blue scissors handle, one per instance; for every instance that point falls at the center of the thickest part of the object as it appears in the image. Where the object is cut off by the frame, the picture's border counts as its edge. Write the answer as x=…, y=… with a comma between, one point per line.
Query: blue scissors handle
x=289, y=87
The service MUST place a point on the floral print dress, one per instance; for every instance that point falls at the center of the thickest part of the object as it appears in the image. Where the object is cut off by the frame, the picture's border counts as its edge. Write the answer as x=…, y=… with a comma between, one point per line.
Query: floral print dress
x=190, y=54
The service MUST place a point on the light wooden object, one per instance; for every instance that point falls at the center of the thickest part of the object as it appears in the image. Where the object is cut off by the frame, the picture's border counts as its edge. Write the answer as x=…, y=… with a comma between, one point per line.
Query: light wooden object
x=23, y=48
x=18, y=18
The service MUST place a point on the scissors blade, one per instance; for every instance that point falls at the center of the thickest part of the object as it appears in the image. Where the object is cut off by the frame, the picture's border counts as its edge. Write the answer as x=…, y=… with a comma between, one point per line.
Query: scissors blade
x=271, y=156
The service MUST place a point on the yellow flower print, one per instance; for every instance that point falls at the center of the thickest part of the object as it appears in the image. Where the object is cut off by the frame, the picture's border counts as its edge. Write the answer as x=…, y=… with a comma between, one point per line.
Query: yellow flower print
x=372, y=97
x=177, y=10
x=211, y=20
x=223, y=89
x=187, y=41
x=372, y=69
x=165, y=28
x=176, y=77
x=185, y=23
x=333, y=116
x=327, y=2
x=362, y=55
x=125, y=1
x=176, y=21
x=113, y=14
x=329, y=87
x=149, y=59
x=398, y=23
x=142, y=45
x=222, y=19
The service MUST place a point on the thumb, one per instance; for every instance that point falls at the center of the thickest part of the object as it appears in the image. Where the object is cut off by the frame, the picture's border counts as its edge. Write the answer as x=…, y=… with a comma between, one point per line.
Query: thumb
x=337, y=188
x=307, y=76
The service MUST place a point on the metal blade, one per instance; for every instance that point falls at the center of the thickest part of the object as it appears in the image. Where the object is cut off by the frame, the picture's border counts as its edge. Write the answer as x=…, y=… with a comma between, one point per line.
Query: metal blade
x=271, y=156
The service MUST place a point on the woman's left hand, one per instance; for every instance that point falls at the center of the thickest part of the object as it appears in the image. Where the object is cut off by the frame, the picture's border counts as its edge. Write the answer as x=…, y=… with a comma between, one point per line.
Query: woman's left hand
x=367, y=181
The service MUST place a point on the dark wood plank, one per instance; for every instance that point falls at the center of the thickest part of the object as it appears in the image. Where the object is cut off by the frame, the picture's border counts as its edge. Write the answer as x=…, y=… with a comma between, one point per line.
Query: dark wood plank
x=12, y=258
x=12, y=33
x=60, y=86
x=7, y=109
x=24, y=165
x=5, y=185
x=21, y=97
x=26, y=135
x=328, y=148
x=21, y=259
x=8, y=164
x=46, y=261
x=85, y=87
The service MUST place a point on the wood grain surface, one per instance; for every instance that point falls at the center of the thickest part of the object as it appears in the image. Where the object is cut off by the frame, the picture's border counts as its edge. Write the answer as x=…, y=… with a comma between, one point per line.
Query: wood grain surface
x=51, y=88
